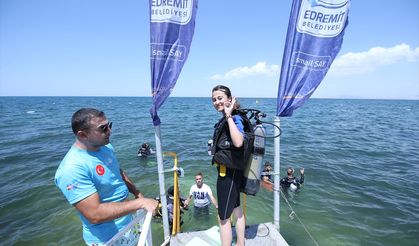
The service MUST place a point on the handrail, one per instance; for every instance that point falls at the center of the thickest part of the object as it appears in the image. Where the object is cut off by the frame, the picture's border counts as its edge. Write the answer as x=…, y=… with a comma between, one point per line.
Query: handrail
x=176, y=205
x=145, y=235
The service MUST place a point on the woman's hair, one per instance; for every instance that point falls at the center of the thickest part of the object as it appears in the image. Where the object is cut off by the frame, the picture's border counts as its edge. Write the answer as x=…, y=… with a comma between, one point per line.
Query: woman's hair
x=222, y=88
x=227, y=91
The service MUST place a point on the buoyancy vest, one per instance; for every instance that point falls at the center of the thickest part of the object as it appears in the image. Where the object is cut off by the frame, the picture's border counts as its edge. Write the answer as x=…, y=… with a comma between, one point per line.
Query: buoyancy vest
x=225, y=153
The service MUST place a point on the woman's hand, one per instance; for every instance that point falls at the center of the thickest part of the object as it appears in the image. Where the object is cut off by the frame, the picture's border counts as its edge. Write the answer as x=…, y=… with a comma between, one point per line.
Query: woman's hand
x=229, y=106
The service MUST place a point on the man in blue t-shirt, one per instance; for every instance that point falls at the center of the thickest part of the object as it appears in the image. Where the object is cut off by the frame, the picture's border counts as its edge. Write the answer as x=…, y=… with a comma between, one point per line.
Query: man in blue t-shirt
x=93, y=182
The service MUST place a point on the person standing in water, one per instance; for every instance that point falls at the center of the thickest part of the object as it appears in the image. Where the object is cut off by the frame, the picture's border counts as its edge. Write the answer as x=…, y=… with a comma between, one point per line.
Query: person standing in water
x=230, y=128
x=202, y=195
x=266, y=176
x=290, y=181
x=145, y=150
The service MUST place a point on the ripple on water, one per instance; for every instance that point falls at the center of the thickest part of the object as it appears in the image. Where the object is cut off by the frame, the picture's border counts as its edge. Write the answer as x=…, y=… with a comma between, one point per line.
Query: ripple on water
x=361, y=166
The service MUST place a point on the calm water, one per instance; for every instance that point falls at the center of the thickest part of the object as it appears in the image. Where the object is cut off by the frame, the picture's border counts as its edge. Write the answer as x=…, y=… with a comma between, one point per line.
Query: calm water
x=360, y=158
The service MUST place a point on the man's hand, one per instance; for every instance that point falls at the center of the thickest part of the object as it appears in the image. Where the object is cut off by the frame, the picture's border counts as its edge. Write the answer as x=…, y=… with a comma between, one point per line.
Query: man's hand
x=138, y=195
x=302, y=171
x=149, y=204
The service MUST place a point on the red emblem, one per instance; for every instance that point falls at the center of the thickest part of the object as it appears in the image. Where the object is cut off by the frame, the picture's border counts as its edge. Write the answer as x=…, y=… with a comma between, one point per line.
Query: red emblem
x=100, y=170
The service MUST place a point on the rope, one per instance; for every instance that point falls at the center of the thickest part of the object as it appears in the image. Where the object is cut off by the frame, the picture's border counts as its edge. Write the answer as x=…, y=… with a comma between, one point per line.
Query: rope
x=293, y=213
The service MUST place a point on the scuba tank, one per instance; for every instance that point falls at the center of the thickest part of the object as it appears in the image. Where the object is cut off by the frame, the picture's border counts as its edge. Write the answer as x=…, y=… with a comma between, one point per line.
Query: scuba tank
x=210, y=147
x=254, y=167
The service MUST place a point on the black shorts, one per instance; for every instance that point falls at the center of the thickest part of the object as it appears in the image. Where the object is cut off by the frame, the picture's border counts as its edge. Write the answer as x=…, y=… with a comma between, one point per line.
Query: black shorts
x=228, y=192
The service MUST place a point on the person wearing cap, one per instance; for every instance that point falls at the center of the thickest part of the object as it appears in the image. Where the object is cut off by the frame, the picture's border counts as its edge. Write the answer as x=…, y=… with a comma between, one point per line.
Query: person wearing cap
x=290, y=181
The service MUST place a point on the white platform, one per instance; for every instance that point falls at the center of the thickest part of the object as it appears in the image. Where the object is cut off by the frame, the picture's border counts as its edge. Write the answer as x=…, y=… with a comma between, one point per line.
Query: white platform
x=256, y=235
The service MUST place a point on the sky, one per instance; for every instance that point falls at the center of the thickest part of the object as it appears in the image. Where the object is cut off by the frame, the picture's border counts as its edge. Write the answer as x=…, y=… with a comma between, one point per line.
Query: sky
x=101, y=48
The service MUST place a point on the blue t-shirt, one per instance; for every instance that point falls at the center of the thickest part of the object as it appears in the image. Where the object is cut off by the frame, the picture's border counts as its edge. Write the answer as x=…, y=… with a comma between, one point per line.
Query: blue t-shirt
x=82, y=173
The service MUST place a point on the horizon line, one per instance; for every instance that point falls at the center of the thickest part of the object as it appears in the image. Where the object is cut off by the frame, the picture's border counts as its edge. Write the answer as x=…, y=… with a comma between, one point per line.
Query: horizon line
x=335, y=98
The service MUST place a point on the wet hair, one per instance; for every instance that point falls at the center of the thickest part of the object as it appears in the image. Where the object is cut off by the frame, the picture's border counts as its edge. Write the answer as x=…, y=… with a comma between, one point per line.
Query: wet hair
x=82, y=117
x=199, y=174
x=226, y=91
x=171, y=190
x=290, y=171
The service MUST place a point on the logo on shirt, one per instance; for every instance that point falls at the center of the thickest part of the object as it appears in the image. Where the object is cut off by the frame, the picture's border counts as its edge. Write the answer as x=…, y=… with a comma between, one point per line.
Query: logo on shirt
x=100, y=170
x=72, y=186
x=200, y=195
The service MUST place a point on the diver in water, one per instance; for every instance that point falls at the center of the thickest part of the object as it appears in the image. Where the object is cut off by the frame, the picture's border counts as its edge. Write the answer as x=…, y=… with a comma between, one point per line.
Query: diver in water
x=145, y=150
x=266, y=173
x=266, y=177
x=290, y=181
x=170, y=206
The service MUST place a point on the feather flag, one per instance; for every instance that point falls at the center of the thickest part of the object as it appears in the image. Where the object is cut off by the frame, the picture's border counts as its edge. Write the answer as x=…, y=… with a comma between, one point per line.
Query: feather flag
x=314, y=38
x=172, y=25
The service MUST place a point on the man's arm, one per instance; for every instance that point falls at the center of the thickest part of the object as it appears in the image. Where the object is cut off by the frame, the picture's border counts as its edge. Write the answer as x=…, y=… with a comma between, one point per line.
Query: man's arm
x=130, y=185
x=189, y=197
x=265, y=178
x=187, y=201
x=301, y=181
x=97, y=212
x=214, y=201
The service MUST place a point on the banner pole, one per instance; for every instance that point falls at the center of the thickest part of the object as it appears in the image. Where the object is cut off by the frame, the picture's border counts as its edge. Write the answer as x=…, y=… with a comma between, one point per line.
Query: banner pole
x=160, y=169
x=277, y=166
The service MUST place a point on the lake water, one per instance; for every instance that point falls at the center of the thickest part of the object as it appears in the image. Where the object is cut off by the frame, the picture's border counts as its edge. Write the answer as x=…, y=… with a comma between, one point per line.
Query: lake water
x=360, y=158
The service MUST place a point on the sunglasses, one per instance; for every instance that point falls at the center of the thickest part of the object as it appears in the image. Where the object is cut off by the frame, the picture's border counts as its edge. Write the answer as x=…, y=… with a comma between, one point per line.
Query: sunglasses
x=104, y=128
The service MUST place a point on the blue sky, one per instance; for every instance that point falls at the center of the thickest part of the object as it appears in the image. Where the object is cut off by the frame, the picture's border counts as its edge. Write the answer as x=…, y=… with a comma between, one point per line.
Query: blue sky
x=101, y=48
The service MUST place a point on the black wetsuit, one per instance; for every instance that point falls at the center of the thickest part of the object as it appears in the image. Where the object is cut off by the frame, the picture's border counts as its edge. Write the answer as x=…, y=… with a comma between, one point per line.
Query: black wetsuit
x=170, y=207
x=229, y=181
x=286, y=181
x=144, y=151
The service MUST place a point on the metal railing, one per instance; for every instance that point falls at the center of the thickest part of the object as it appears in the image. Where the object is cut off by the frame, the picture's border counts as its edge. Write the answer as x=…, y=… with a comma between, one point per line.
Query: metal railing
x=145, y=235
